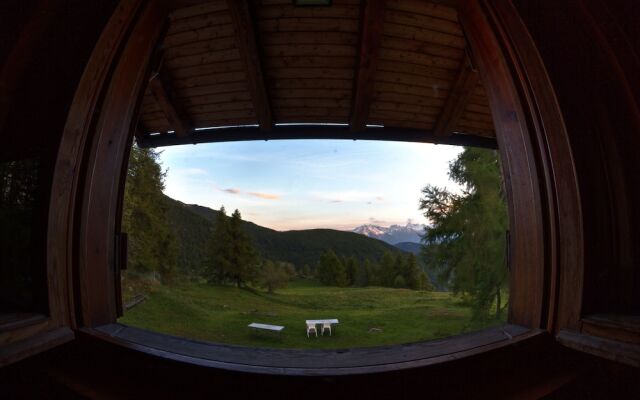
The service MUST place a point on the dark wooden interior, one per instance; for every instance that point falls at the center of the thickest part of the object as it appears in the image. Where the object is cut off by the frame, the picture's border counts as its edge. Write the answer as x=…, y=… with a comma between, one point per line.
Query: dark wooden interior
x=554, y=85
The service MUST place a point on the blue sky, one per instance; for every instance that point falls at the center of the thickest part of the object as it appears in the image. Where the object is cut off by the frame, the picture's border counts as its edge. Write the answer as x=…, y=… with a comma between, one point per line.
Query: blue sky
x=302, y=184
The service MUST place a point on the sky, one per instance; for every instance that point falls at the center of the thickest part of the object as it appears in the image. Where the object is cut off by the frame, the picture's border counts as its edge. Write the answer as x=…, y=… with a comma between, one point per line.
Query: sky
x=304, y=184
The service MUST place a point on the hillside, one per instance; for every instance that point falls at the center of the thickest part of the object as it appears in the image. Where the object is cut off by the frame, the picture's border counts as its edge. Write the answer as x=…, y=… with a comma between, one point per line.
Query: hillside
x=410, y=247
x=193, y=225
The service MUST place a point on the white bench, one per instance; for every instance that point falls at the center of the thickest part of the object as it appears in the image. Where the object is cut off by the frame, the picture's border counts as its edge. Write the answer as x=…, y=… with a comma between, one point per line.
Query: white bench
x=266, y=327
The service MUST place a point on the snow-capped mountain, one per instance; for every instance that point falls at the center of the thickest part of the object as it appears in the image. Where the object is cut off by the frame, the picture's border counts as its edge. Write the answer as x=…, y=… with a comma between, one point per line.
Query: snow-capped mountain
x=394, y=233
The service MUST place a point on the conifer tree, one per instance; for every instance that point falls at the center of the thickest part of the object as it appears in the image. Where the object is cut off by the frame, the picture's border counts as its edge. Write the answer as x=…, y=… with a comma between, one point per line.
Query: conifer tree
x=218, y=261
x=362, y=273
x=242, y=263
x=152, y=246
x=387, y=271
x=330, y=270
x=466, y=244
x=350, y=268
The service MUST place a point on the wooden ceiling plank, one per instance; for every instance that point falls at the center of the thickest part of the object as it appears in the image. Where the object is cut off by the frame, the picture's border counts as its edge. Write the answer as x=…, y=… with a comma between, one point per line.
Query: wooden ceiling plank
x=459, y=97
x=249, y=52
x=162, y=90
x=371, y=39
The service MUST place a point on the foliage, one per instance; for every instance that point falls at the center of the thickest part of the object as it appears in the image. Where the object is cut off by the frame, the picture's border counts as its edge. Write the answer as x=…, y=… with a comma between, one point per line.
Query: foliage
x=350, y=268
x=152, y=247
x=330, y=270
x=275, y=275
x=387, y=271
x=466, y=244
x=306, y=271
x=231, y=256
x=20, y=211
x=396, y=270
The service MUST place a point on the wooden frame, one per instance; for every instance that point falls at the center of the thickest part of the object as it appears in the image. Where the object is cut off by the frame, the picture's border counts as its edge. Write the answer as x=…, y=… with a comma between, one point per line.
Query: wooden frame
x=541, y=185
x=103, y=191
x=315, y=131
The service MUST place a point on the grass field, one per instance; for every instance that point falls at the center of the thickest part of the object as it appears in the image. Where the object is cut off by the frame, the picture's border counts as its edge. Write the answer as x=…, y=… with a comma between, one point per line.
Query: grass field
x=221, y=314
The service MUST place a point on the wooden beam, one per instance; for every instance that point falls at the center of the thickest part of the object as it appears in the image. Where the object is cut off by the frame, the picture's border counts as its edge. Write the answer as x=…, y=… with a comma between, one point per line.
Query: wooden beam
x=458, y=99
x=370, y=41
x=162, y=90
x=296, y=131
x=247, y=45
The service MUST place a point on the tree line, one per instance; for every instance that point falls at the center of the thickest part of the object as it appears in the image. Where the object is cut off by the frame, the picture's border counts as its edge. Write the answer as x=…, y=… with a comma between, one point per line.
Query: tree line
x=392, y=270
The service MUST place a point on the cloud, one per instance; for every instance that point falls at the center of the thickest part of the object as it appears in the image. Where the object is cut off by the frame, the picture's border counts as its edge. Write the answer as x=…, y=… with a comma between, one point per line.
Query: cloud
x=195, y=171
x=231, y=190
x=377, y=221
x=347, y=196
x=379, y=198
x=267, y=196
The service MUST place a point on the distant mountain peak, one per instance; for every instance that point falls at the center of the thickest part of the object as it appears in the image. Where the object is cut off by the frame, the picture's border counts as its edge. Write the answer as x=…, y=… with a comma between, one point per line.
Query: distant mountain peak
x=393, y=234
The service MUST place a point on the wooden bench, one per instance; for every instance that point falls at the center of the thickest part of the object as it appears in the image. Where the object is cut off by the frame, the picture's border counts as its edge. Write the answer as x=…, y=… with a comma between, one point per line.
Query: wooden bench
x=266, y=327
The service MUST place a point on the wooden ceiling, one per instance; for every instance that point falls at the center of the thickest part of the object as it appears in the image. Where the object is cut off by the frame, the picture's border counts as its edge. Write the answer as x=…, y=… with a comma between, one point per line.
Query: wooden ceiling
x=397, y=63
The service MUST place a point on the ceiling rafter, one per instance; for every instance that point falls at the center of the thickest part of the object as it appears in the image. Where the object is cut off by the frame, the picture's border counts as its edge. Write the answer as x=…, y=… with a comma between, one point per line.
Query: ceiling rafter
x=311, y=131
x=247, y=45
x=162, y=90
x=458, y=99
x=370, y=41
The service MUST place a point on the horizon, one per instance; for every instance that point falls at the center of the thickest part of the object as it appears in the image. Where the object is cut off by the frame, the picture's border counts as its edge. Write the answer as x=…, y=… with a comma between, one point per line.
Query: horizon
x=309, y=184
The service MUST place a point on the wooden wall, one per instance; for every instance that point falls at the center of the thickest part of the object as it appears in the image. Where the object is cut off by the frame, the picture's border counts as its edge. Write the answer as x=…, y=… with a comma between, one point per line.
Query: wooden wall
x=594, y=69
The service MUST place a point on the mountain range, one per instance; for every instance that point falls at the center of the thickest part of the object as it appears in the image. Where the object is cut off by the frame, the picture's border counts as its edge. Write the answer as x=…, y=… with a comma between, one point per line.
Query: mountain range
x=393, y=234
x=193, y=224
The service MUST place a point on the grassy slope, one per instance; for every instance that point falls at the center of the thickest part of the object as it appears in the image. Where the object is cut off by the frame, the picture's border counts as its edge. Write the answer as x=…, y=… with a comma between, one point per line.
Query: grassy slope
x=221, y=314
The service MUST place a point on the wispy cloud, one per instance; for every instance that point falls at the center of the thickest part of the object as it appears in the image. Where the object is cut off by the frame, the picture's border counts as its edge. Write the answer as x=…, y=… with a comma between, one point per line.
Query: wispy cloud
x=267, y=196
x=380, y=198
x=195, y=171
x=261, y=195
x=348, y=196
x=377, y=221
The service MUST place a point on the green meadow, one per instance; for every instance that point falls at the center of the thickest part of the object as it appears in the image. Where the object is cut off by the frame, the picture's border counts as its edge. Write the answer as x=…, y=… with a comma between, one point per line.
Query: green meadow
x=370, y=316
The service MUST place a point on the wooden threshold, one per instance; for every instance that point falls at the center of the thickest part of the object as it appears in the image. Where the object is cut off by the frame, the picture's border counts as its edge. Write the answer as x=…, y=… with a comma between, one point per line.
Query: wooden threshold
x=614, y=350
x=19, y=350
x=312, y=362
x=12, y=321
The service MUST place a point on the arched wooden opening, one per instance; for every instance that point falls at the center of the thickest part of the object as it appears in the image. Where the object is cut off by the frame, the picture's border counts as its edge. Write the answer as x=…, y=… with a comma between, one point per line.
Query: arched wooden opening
x=522, y=130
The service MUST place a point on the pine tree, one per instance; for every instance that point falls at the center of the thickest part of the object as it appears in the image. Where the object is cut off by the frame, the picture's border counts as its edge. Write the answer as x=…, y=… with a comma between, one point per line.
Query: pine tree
x=387, y=271
x=410, y=272
x=218, y=261
x=466, y=243
x=362, y=273
x=330, y=270
x=242, y=262
x=351, y=265
x=153, y=248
